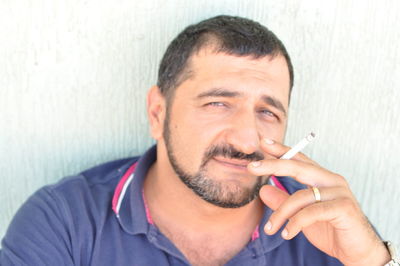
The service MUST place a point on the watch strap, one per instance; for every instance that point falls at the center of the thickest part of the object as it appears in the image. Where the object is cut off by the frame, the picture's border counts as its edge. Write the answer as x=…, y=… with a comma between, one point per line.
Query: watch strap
x=393, y=254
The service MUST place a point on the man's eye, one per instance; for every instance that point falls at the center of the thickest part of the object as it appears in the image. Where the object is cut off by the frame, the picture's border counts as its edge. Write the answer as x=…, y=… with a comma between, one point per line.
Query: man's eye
x=216, y=104
x=268, y=113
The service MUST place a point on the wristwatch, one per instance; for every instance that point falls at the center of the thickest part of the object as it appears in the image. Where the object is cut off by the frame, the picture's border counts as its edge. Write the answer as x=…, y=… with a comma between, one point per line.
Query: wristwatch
x=392, y=250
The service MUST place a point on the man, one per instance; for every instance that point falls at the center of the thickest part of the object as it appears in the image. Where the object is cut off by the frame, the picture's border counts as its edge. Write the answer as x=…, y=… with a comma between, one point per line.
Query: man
x=202, y=195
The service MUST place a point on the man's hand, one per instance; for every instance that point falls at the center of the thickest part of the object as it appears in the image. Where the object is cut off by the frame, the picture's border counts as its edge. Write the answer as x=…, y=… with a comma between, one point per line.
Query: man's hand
x=336, y=225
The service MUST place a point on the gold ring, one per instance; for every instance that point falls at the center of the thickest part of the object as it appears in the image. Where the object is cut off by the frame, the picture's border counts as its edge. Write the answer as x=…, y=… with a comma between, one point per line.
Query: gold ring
x=317, y=194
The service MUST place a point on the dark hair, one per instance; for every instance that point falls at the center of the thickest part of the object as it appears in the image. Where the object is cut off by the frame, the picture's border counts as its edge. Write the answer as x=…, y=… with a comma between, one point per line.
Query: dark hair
x=228, y=34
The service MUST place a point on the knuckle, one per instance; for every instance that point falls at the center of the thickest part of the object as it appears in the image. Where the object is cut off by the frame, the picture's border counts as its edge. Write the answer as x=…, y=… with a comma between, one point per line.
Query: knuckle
x=275, y=216
x=296, y=168
x=293, y=222
x=348, y=206
x=278, y=214
x=296, y=222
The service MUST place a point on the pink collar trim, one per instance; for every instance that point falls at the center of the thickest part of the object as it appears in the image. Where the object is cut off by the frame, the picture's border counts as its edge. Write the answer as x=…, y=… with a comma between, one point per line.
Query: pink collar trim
x=120, y=190
x=146, y=208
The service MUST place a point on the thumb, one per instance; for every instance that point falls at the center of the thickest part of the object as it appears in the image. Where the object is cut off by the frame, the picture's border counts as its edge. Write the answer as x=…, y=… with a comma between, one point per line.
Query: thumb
x=272, y=196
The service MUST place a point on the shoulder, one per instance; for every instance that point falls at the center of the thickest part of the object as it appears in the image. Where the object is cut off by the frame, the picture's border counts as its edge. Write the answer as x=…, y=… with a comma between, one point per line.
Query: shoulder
x=58, y=218
x=102, y=174
x=99, y=180
x=91, y=190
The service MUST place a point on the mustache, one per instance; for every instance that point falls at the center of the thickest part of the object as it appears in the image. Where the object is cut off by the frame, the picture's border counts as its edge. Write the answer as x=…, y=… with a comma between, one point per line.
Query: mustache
x=228, y=151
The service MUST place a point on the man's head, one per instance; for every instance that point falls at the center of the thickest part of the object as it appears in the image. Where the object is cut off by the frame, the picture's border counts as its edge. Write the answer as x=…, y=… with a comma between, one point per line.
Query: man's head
x=225, y=34
x=224, y=84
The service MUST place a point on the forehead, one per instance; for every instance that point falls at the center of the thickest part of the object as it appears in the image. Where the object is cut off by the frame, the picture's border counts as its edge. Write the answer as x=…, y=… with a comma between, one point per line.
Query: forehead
x=266, y=75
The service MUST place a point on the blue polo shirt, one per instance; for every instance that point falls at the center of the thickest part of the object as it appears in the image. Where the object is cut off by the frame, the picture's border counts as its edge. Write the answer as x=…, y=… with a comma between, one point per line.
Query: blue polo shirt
x=99, y=217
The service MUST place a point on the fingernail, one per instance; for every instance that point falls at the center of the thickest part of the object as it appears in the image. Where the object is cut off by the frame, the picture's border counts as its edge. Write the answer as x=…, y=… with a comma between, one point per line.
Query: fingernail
x=268, y=226
x=256, y=164
x=269, y=141
x=284, y=233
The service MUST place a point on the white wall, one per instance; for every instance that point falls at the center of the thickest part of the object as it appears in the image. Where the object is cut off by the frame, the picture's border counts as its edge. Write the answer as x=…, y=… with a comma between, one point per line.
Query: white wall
x=74, y=74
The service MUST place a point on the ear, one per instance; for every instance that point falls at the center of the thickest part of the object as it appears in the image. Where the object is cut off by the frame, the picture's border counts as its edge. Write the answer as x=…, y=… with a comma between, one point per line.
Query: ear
x=156, y=110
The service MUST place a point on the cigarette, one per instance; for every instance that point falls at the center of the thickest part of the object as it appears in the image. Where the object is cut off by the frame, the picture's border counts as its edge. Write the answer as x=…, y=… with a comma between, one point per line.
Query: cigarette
x=298, y=147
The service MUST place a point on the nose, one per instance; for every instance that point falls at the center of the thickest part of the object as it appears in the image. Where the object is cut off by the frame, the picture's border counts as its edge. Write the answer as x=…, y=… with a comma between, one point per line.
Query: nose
x=244, y=134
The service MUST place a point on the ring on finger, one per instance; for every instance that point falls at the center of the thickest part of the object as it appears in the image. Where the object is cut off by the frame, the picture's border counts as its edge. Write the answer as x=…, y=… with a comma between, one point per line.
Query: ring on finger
x=317, y=194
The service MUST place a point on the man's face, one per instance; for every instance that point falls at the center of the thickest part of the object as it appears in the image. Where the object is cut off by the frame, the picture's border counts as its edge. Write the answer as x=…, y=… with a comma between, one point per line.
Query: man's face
x=218, y=117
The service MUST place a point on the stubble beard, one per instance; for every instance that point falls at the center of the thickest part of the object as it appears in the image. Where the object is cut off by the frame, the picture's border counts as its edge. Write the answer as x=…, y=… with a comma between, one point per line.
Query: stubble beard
x=218, y=193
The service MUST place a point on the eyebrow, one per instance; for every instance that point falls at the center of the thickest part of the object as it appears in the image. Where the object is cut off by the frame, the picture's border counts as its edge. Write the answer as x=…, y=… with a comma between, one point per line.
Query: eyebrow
x=218, y=92
x=221, y=92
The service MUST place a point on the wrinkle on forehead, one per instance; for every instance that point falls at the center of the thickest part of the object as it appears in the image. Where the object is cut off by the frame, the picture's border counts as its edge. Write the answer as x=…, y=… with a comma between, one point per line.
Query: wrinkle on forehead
x=207, y=65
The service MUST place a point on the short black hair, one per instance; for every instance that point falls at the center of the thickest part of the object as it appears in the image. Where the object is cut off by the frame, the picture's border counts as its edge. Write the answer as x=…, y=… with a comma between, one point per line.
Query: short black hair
x=232, y=35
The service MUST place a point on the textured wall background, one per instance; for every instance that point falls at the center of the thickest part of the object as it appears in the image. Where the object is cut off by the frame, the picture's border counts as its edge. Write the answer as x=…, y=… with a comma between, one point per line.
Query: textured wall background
x=74, y=74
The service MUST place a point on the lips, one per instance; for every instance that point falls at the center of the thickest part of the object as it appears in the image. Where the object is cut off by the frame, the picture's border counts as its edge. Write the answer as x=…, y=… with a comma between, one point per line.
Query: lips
x=236, y=163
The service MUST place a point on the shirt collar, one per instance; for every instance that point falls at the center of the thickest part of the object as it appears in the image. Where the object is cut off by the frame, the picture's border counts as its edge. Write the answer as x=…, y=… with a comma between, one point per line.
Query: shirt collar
x=131, y=211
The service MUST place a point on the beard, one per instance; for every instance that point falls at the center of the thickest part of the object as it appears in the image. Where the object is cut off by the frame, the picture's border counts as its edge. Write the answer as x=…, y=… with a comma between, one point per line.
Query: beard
x=218, y=193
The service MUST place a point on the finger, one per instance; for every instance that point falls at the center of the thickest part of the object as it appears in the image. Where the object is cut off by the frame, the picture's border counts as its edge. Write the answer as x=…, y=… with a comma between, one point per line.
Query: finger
x=305, y=173
x=327, y=211
x=278, y=149
x=298, y=201
x=272, y=196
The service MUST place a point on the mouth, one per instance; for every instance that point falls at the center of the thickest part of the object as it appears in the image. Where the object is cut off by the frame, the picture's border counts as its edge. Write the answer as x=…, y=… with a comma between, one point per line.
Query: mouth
x=232, y=163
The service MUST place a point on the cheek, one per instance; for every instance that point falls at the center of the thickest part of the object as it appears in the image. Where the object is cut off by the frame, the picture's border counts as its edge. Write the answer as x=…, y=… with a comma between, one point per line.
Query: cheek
x=197, y=128
x=207, y=133
x=190, y=139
